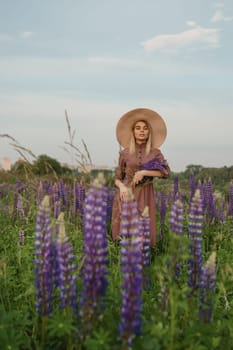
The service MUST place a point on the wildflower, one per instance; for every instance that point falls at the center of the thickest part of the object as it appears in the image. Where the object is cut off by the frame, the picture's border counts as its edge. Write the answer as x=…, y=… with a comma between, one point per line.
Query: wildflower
x=209, y=201
x=176, y=222
x=94, y=248
x=230, y=203
x=63, y=194
x=43, y=259
x=207, y=285
x=65, y=267
x=176, y=219
x=79, y=192
x=195, y=236
x=145, y=231
x=131, y=268
x=57, y=209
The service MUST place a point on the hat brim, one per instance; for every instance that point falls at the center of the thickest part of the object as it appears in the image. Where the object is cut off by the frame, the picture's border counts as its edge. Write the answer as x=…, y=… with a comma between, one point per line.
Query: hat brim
x=126, y=122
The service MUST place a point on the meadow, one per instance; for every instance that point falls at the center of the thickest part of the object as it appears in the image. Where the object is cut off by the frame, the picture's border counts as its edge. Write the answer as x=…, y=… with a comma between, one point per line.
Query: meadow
x=65, y=285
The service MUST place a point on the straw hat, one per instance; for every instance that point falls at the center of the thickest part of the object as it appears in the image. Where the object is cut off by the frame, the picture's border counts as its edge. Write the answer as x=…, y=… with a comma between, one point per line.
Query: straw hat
x=126, y=122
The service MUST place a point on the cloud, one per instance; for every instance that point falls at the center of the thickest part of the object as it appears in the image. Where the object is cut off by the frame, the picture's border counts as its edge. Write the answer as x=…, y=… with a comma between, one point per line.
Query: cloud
x=195, y=37
x=191, y=23
x=26, y=34
x=218, y=16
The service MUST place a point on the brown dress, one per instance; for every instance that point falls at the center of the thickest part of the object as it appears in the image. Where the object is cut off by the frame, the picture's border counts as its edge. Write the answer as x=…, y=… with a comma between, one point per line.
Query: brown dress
x=144, y=194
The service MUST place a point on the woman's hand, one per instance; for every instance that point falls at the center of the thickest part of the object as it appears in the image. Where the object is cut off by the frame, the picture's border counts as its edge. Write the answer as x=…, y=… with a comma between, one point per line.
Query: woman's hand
x=138, y=176
x=124, y=193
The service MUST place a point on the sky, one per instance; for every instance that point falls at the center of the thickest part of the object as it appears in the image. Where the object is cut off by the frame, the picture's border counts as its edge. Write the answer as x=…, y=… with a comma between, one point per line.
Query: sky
x=96, y=60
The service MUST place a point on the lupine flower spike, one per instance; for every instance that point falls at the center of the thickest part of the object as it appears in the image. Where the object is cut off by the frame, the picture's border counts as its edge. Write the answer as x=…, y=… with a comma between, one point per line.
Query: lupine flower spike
x=208, y=284
x=65, y=267
x=131, y=268
x=43, y=259
x=195, y=235
x=94, y=270
x=230, y=203
x=145, y=230
x=176, y=222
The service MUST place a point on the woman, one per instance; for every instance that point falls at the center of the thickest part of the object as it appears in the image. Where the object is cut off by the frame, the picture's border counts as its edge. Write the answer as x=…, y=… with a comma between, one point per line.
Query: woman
x=140, y=132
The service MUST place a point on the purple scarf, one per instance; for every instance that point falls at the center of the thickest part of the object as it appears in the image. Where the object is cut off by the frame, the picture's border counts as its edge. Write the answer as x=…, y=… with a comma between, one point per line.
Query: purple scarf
x=153, y=164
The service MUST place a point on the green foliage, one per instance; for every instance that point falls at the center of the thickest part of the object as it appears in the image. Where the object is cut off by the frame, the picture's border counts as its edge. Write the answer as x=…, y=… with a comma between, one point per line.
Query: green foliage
x=98, y=340
x=46, y=165
x=169, y=316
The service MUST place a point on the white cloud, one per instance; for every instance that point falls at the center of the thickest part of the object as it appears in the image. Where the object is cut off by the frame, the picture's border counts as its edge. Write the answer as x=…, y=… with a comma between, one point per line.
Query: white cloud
x=26, y=34
x=191, y=23
x=218, y=16
x=197, y=36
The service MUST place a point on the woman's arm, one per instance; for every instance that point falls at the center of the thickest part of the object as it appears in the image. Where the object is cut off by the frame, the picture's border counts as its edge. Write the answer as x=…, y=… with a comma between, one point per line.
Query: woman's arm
x=119, y=176
x=139, y=175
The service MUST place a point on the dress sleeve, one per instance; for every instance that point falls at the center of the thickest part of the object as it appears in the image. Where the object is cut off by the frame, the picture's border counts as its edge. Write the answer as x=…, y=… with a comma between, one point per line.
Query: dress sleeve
x=120, y=171
x=166, y=169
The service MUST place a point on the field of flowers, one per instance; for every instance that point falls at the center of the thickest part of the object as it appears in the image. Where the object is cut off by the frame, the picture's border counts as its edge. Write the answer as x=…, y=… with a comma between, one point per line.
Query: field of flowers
x=65, y=285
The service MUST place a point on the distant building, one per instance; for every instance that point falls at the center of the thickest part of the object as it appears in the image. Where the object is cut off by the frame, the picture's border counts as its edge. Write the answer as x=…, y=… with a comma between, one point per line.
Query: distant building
x=6, y=164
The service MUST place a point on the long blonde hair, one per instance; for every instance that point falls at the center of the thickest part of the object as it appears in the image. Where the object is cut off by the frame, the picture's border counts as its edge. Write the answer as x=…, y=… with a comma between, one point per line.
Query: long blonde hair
x=132, y=144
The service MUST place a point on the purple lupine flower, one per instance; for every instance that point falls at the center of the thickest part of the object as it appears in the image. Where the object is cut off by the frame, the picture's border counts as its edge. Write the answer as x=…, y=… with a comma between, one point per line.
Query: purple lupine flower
x=176, y=222
x=95, y=249
x=230, y=201
x=43, y=259
x=195, y=235
x=63, y=194
x=65, y=267
x=80, y=193
x=207, y=286
x=57, y=209
x=176, y=219
x=55, y=194
x=55, y=201
x=209, y=201
x=132, y=272
x=145, y=229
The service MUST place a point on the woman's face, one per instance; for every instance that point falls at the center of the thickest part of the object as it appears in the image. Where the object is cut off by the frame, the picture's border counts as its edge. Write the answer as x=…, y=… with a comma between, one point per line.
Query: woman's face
x=141, y=132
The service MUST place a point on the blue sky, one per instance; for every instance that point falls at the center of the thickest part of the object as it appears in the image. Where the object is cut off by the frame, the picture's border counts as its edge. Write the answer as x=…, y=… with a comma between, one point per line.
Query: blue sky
x=99, y=59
